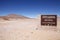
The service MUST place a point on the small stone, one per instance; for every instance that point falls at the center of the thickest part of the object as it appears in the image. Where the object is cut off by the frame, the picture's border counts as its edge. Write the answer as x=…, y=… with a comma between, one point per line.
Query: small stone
x=31, y=32
x=36, y=28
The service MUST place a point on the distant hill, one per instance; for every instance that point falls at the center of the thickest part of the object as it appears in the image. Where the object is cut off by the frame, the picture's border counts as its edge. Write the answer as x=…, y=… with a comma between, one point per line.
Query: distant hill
x=13, y=16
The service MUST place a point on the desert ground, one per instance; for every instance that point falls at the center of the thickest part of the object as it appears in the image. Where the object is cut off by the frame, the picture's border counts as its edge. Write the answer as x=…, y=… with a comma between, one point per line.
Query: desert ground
x=28, y=29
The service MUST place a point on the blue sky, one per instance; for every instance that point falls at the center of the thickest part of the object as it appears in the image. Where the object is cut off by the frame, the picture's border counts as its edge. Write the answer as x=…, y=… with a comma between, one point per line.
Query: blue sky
x=30, y=8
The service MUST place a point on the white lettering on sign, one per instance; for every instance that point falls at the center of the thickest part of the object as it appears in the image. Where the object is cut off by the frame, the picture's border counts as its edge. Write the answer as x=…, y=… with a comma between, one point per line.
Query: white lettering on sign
x=48, y=17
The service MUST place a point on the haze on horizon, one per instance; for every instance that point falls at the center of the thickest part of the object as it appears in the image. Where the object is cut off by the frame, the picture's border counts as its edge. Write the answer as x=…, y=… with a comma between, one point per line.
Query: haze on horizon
x=29, y=8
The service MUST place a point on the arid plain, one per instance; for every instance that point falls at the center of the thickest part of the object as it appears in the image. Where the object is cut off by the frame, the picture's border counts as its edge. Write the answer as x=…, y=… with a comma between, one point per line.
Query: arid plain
x=27, y=29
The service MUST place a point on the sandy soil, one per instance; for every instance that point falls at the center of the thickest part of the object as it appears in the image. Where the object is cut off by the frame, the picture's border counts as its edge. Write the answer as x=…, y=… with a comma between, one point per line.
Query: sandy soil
x=28, y=29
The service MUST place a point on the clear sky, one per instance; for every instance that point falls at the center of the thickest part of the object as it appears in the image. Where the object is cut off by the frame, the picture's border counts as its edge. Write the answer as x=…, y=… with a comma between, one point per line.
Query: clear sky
x=30, y=8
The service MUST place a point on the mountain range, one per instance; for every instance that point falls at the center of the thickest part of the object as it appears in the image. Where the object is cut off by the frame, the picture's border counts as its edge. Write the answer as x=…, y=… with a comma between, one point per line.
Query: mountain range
x=13, y=16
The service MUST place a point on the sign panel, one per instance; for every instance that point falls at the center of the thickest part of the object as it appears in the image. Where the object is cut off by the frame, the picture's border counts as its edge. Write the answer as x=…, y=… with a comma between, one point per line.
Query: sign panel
x=49, y=20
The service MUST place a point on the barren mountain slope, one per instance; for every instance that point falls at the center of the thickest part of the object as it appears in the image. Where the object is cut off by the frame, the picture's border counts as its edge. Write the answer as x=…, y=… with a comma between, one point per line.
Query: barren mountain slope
x=13, y=16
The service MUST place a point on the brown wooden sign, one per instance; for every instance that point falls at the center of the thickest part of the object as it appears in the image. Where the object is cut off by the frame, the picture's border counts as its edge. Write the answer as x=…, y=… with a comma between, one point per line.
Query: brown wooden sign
x=49, y=20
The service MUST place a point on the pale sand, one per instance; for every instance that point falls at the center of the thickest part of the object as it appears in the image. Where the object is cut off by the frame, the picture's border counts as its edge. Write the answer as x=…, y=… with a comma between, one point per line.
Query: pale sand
x=28, y=29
